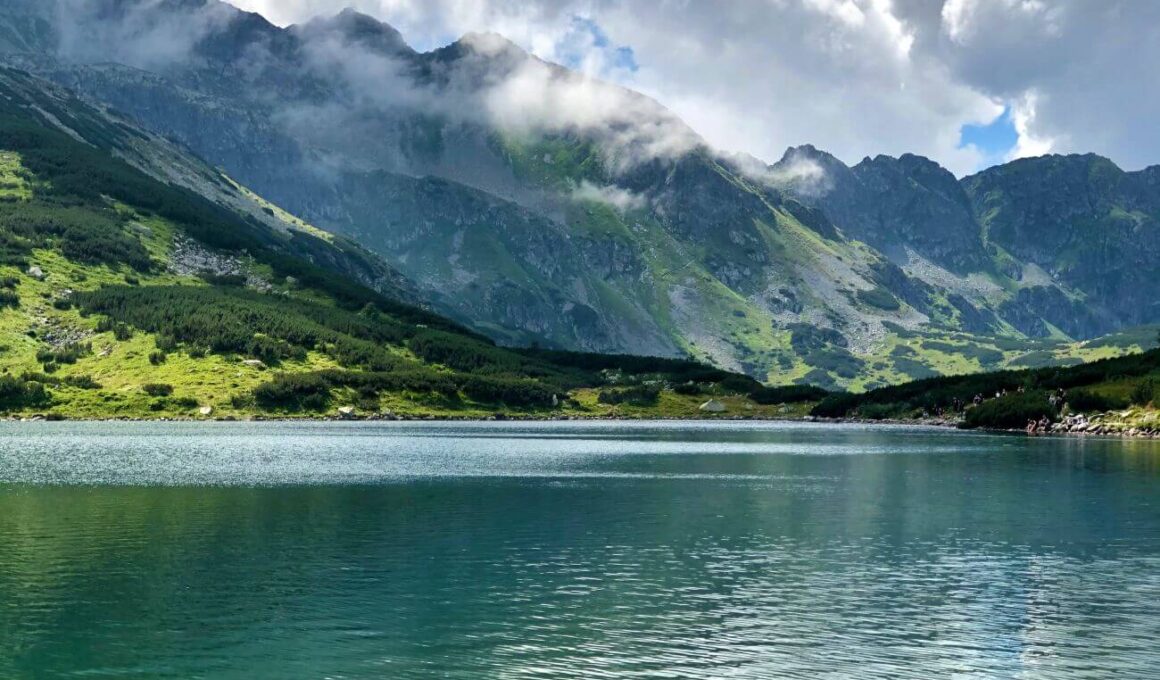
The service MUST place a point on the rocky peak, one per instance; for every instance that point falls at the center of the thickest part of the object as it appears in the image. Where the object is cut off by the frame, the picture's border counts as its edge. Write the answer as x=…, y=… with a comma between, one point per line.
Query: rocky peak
x=897, y=205
x=1063, y=186
x=356, y=28
x=809, y=152
x=807, y=172
x=928, y=175
x=489, y=45
x=489, y=50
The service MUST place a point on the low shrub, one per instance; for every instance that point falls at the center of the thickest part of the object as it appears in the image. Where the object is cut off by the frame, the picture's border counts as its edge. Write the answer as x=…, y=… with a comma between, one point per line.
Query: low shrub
x=818, y=378
x=82, y=382
x=788, y=394
x=1086, y=401
x=228, y=280
x=17, y=394
x=120, y=331
x=299, y=392
x=691, y=389
x=1144, y=392
x=836, y=360
x=879, y=298
x=913, y=369
x=1012, y=411
x=884, y=411
x=515, y=392
x=69, y=354
x=157, y=389
x=737, y=384
x=639, y=395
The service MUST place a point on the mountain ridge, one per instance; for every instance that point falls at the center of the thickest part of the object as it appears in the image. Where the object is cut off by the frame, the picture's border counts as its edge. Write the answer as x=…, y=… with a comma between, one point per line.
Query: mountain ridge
x=614, y=227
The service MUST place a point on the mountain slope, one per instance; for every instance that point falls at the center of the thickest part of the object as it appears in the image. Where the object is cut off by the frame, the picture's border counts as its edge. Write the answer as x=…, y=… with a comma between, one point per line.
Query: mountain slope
x=1058, y=246
x=1093, y=228
x=537, y=205
x=125, y=296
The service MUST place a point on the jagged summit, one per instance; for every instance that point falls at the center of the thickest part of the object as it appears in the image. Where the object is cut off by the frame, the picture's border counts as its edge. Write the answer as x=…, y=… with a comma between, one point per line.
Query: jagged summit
x=794, y=156
x=358, y=29
x=488, y=42
x=491, y=48
x=807, y=151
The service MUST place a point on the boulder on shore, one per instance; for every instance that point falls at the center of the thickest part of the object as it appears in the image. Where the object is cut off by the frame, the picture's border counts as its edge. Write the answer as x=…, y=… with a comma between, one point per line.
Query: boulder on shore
x=714, y=406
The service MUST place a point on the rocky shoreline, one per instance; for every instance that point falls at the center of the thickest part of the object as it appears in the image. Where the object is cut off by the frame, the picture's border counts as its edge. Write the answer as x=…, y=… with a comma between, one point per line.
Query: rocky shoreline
x=1088, y=428
x=40, y=418
x=1115, y=431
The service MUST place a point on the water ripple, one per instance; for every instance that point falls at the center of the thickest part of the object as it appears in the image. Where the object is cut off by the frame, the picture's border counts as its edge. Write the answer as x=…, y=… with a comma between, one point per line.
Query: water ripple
x=526, y=552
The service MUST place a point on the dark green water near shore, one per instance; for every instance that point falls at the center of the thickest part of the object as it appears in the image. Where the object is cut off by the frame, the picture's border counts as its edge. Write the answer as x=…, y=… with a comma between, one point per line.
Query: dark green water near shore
x=574, y=550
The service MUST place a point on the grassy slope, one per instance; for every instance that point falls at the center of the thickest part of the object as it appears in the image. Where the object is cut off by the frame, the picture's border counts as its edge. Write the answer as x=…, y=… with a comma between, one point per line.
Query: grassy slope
x=1118, y=393
x=110, y=377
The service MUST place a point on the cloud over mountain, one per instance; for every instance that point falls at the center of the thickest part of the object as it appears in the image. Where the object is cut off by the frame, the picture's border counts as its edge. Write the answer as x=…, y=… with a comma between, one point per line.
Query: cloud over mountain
x=858, y=77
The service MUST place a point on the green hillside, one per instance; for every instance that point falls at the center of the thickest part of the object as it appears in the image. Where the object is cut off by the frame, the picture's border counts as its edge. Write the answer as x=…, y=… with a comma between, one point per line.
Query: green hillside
x=125, y=297
x=1110, y=395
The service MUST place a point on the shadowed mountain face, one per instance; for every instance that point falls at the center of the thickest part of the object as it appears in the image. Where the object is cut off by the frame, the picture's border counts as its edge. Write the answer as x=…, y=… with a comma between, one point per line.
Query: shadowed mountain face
x=897, y=203
x=1076, y=235
x=541, y=206
x=1091, y=226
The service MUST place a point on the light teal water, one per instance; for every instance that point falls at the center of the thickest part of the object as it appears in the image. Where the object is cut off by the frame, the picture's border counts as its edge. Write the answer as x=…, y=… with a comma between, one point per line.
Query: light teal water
x=565, y=551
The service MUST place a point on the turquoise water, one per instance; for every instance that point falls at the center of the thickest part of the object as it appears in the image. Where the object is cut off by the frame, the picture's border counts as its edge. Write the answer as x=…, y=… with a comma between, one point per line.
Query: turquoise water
x=574, y=550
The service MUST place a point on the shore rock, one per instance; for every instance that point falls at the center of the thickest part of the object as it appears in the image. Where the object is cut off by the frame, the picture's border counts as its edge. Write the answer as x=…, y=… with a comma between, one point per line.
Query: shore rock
x=714, y=406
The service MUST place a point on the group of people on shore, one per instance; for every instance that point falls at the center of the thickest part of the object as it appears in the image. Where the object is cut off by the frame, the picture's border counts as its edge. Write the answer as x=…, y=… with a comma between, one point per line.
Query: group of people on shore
x=1041, y=426
x=1056, y=400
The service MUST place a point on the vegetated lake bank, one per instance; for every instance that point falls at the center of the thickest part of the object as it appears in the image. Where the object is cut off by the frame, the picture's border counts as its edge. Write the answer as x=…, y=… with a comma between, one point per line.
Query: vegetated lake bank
x=1134, y=425
x=1111, y=397
x=1022, y=407
x=580, y=405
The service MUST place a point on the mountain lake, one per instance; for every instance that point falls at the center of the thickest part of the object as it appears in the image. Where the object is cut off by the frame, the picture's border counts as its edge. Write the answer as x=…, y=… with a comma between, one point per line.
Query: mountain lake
x=574, y=550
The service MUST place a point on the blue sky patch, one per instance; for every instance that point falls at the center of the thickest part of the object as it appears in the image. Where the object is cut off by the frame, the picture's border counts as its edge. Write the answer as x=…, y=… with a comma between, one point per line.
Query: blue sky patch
x=995, y=140
x=620, y=57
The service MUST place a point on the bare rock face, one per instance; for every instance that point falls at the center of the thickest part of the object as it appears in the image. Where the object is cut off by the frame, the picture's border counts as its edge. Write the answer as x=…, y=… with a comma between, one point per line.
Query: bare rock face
x=895, y=204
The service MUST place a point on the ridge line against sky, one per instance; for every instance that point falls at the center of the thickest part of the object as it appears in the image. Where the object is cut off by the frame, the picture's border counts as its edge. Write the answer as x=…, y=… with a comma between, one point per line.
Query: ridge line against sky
x=969, y=83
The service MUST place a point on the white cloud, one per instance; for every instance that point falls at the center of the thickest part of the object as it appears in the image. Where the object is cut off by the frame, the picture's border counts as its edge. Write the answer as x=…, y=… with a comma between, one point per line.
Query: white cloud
x=1023, y=114
x=962, y=19
x=855, y=77
x=621, y=199
x=139, y=37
